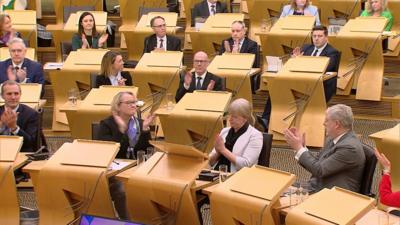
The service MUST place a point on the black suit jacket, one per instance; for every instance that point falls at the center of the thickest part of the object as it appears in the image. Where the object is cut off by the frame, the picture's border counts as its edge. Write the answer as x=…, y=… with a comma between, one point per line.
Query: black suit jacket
x=150, y=42
x=28, y=122
x=333, y=66
x=201, y=10
x=209, y=76
x=248, y=46
x=108, y=131
x=103, y=80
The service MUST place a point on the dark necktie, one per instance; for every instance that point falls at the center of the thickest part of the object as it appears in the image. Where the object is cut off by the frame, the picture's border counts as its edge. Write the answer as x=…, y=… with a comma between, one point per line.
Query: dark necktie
x=132, y=132
x=161, y=43
x=213, y=9
x=315, y=52
x=198, y=84
x=16, y=68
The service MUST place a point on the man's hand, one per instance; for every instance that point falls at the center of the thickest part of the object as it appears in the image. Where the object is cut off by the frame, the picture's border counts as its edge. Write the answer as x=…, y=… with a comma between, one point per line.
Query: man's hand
x=10, y=73
x=227, y=47
x=297, y=52
x=10, y=118
x=187, y=79
x=235, y=47
x=21, y=74
x=211, y=85
x=293, y=137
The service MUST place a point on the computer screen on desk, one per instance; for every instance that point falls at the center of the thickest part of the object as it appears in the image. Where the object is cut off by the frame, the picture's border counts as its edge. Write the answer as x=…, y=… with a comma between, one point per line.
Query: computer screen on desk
x=97, y=220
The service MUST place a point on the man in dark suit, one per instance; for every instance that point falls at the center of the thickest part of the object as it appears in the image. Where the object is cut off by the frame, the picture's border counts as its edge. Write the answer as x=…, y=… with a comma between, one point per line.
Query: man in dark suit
x=18, y=119
x=320, y=47
x=239, y=43
x=19, y=68
x=206, y=8
x=160, y=40
x=200, y=79
x=341, y=163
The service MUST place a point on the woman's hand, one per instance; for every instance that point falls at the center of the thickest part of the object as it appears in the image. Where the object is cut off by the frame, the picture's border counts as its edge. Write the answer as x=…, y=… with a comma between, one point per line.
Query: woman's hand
x=148, y=120
x=122, y=125
x=383, y=161
x=103, y=39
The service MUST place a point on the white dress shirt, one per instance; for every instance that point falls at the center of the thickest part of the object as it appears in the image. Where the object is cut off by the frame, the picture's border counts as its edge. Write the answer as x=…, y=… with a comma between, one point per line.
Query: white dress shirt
x=319, y=49
x=209, y=8
x=164, y=42
x=203, y=76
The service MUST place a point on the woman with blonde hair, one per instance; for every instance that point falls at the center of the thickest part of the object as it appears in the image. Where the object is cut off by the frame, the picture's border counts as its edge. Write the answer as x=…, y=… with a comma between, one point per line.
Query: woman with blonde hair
x=111, y=72
x=240, y=144
x=378, y=8
x=301, y=7
x=7, y=33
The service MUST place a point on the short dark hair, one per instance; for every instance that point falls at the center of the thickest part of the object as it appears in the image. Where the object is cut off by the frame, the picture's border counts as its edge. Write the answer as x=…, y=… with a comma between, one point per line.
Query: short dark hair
x=320, y=27
x=154, y=18
x=9, y=83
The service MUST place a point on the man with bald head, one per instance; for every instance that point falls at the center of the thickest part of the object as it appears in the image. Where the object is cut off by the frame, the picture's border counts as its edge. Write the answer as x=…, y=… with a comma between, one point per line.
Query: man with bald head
x=200, y=79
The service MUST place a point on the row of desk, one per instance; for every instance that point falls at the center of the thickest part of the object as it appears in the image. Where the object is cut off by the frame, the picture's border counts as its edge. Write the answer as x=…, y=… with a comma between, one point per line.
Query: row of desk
x=165, y=188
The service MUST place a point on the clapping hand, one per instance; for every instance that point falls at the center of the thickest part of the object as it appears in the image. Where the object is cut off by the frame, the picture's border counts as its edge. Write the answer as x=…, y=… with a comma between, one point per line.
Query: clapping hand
x=383, y=161
x=297, y=52
x=122, y=125
x=103, y=39
x=85, y=43
x=219, y=144
x=148, y=120
x=293, y=137
x=211, y=85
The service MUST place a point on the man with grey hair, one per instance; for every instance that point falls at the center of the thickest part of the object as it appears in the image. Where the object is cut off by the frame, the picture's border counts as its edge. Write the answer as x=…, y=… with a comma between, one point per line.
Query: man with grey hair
x=18, y=68
x=342, y=160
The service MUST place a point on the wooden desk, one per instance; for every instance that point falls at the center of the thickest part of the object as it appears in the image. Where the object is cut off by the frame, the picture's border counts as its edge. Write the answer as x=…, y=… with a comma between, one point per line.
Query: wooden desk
x=94, y=108
x=24, y=21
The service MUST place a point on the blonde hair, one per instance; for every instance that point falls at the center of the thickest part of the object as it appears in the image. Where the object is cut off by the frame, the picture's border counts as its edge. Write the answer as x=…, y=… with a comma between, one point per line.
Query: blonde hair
x=117, y=100
x=107, y=62
x=242, y=107
x=294, y=5
x=369, y=9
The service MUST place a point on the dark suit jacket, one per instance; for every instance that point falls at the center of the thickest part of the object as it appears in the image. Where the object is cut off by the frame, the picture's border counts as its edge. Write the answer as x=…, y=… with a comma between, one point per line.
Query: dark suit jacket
x=108, y=131
x=201, y=10
x=339, y=165
x=333, y=66
x=209, y=76
x=248, y=46
x=150, y=42
x=34, y=71
x=103, y=80
x=28, y=122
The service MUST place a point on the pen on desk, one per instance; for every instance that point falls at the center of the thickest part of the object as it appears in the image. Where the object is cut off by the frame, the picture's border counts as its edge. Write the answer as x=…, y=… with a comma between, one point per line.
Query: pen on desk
x=116, y=162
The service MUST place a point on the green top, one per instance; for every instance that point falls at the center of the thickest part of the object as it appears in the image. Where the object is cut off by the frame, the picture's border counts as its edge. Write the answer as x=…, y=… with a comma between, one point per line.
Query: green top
x=385, y=14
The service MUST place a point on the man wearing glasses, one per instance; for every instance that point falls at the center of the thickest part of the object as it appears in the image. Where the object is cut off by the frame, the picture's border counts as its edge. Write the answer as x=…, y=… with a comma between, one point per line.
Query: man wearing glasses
x=160, y=41
x=200, y=79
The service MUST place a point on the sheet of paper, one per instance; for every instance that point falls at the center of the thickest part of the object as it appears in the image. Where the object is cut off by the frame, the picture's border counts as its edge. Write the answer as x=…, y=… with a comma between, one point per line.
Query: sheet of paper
x=274, y=63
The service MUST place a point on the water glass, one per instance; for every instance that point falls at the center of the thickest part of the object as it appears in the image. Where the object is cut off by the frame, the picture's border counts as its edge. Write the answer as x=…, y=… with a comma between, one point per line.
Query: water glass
x=141, y=157
x=130, y=153
x=170, y=101
x=73, y=97
x=223, y=173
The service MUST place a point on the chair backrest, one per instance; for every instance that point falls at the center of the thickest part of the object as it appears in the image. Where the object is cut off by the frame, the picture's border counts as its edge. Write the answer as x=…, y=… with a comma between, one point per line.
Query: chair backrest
x=66, y=48
x=73, y=9
x=265, y=154
x=369, y=169
x=145, y=10
x=223, y=83
x=40, y=138
x=95, y=130
x=93, y=80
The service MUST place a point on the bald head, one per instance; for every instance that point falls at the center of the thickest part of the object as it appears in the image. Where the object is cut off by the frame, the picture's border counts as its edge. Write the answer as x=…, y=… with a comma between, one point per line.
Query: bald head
x=200, y=62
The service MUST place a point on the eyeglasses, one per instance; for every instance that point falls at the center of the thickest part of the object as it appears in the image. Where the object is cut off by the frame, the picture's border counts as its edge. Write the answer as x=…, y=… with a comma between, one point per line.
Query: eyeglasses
x=161, y=25
x=200, y=61
x=130, y=103
x=16, y=50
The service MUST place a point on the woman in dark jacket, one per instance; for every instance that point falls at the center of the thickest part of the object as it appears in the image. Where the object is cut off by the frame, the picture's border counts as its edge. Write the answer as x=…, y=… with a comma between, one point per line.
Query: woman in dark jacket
x=111, y=71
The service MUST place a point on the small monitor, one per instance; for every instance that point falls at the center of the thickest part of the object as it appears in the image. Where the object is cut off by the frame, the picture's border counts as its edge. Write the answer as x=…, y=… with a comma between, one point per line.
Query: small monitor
x=98, y=220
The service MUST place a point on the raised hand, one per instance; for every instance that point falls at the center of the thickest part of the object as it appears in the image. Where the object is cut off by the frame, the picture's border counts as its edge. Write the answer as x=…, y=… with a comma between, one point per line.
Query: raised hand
x=103, y=39
x=10, y=73
x=383, y=160
x=297, y=52
x=219, y=144
x=188, y=79
x=85, y=43
x=227, y=46
x=148, y=120
x=21, y=74
x=294, y=138
x=211, y=85
x=121, y=82
x=122, y=125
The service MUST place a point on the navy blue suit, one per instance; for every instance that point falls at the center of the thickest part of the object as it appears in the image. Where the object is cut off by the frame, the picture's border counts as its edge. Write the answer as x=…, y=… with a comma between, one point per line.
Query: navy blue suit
x=28, y=122
x=34, y=71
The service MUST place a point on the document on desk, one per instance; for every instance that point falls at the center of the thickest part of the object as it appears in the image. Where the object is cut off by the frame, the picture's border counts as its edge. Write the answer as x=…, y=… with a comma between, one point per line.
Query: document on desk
x=274, y=63
x=53, y=66
x=119, y=165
